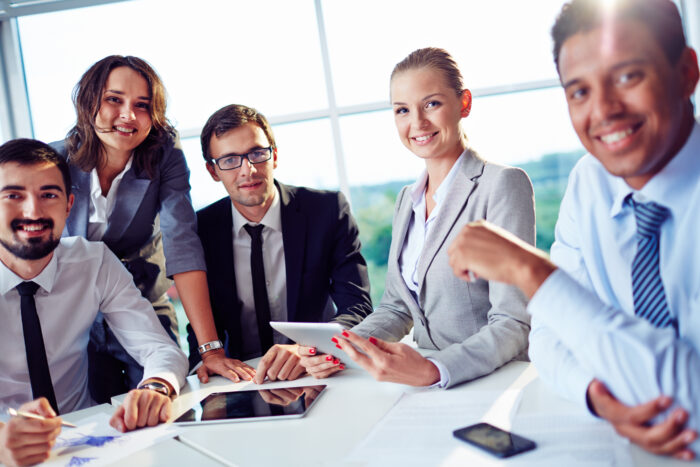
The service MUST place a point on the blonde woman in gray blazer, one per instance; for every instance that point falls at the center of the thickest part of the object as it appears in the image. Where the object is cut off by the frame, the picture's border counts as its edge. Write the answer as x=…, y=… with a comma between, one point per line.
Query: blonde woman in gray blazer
x=470, y=328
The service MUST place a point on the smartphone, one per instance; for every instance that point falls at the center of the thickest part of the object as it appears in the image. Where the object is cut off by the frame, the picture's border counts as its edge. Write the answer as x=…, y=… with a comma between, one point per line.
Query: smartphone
x=498, y=442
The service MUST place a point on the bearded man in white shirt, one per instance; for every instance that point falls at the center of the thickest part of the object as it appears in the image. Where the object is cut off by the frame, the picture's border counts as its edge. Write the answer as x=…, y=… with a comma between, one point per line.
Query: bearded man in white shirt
x=50, y=292
x=615, y=315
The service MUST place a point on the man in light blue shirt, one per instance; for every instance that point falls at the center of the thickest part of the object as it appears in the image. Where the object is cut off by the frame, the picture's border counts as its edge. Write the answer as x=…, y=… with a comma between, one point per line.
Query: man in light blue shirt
x=616, y=316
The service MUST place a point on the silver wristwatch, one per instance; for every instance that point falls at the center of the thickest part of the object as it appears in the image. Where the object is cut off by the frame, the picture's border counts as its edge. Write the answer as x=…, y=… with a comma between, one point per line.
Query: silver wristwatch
x=157, y=387
x=211, y=345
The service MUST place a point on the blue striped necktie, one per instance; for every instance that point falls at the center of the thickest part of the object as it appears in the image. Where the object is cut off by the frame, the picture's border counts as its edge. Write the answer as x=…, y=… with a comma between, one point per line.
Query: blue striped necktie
x=647, y=289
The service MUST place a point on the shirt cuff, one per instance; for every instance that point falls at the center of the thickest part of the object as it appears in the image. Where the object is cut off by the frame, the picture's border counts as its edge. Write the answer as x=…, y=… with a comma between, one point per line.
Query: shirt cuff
x=444, y=374
x=167, y=376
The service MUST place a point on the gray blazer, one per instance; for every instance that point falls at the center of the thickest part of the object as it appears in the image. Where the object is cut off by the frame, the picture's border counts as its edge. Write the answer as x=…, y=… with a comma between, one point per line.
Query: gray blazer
x=153, y=228
x=473, y=327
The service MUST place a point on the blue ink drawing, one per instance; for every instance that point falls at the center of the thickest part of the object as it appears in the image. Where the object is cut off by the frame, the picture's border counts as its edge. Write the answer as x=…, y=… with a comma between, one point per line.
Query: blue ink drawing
x=76, y=461
x=94, y=441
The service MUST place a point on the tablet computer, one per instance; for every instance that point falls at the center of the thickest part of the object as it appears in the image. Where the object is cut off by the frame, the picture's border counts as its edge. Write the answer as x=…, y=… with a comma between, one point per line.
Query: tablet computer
x=253, y=405
x=316, y=335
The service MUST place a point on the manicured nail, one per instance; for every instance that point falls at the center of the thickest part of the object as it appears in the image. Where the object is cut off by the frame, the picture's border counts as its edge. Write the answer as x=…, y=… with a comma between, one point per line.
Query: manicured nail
x=342, y=367
x=345, y=334
x=373, y=340
x=329, y=357
x=338, y=346
x=312, y=351
x=336, y=361
x=334, y=340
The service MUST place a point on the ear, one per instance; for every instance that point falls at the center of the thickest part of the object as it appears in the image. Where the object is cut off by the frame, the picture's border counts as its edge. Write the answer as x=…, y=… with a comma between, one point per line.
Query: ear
x=466, y=103
x=212, y=171
x=689, y=71
x=274, y=158
x=71, y=198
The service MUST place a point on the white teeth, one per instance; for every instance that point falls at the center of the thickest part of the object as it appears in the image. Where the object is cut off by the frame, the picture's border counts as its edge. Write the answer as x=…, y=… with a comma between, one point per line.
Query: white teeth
x=421, y=139
x=124, y=129
x=617, y=136
x=32, y=228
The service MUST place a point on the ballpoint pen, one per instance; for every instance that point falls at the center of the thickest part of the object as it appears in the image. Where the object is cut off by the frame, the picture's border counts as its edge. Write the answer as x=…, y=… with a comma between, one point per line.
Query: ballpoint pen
x=20, y=413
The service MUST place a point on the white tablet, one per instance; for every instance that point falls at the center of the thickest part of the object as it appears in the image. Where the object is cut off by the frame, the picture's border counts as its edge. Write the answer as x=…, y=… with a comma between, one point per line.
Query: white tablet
x=316, y=335
x=252, y=405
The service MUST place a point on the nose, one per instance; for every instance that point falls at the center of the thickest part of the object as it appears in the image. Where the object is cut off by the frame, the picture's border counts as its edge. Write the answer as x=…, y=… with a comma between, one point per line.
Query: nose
x=607, y=104
x=126, y=112
x=31, y=208
x=246, y=169
x=419, y=120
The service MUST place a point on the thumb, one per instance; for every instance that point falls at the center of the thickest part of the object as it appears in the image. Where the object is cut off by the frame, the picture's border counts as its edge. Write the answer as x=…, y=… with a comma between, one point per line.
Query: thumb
x=381, y=344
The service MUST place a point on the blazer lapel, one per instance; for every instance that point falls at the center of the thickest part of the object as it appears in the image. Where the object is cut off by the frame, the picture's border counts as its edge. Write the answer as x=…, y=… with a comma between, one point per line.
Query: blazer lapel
x=131, y=192
x=456, y=198
x=78, y=220
x=401, y=223
x=294, y=238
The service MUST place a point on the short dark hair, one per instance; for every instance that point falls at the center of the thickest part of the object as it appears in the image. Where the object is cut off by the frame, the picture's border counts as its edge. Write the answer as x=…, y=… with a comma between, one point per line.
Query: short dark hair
x=26, y=151
x=661, y=17
x=229, y=118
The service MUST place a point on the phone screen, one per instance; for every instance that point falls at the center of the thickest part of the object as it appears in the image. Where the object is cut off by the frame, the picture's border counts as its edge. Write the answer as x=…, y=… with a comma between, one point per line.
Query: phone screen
x=498, y=442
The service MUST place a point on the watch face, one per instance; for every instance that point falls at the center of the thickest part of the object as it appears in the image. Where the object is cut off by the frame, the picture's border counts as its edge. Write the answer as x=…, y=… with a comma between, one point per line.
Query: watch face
x=158, y=387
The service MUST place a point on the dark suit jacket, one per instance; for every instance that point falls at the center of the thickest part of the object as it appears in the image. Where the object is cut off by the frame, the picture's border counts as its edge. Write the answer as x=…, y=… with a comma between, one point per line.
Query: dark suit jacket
x=322, y=256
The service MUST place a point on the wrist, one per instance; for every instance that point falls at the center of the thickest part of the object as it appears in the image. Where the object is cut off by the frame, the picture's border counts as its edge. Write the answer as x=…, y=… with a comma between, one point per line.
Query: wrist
x=533, y=271
x=210, y=346
x=158, y=385
x=213, y=353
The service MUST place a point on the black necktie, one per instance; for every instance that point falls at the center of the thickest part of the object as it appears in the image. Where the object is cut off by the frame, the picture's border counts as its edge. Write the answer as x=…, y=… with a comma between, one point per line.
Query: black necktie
x=257, y=269
x=37, y=363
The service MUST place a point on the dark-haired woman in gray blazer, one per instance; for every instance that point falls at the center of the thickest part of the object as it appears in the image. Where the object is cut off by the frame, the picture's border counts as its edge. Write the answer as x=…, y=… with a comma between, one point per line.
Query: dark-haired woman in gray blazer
x=469, y=329
x=131, y=185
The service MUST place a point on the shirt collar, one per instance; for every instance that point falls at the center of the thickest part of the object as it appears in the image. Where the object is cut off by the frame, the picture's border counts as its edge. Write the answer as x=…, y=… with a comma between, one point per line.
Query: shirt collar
x=45, y=279
x=418, y=188
x=672, y=186
x=271, y=219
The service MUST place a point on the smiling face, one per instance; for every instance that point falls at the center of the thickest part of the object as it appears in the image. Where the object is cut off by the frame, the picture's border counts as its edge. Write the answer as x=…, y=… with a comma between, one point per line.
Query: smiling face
x=627, y=103
x=124, y=120
x=427, y=113
x=251, y=186
x=34, y=207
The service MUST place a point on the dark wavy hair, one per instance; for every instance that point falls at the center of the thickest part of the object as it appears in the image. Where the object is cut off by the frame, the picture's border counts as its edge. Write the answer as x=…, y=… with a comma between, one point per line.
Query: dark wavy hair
x=660, y=16
x=84, y=147
x=229, y=118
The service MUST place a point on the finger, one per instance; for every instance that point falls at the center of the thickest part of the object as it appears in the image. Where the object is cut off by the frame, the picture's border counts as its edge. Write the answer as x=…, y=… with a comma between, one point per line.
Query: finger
x=203, y=374
x=609, y=408
x=131, y=410
x=117, y=420
x=39, y=406
x=145, y=399
x=281, y=359
x=296, y=372
x=685, y=455
x=305, y=351
x=290, y=365
x=166, y=410
x=678, y=443
x=329, y=371
x=328, y=362
x=655, y=438
x=153, y=410
x=264, y=365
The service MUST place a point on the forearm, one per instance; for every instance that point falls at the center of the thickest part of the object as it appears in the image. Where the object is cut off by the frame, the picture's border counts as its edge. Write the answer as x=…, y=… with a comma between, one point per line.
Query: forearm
x=194, y=294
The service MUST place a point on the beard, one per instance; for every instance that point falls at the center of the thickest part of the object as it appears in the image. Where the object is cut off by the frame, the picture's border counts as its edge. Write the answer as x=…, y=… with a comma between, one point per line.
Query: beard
x=34, y=248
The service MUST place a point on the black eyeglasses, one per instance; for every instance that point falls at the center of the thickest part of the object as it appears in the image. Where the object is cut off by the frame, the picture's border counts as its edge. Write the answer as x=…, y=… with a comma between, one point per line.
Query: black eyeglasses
x=234, y=161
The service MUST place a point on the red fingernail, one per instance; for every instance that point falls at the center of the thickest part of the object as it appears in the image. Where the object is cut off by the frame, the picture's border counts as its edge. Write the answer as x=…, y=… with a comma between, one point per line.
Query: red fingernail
x=334, y=340
x=342, y=367
x=312, y=351
x=336, y=361
x=373, y=340
x=345, y=334
x=329, y=358
x=338, y=346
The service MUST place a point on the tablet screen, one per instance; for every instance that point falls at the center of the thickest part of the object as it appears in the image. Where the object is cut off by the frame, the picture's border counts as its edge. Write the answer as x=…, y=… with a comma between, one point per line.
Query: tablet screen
x=252, y=405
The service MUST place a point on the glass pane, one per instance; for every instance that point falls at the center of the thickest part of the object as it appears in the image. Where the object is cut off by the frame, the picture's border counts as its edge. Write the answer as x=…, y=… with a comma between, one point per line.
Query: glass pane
x=304, y=157
x=209, y=53
x=492, y=48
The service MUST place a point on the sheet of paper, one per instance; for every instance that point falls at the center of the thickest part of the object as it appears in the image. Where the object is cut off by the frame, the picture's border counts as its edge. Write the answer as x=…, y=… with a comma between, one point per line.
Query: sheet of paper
x=418, y=429
x=96, y=443
x=573, y=440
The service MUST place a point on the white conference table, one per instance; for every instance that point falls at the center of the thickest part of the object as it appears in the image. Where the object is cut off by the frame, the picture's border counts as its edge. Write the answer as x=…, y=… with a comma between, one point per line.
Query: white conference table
x=340, y=419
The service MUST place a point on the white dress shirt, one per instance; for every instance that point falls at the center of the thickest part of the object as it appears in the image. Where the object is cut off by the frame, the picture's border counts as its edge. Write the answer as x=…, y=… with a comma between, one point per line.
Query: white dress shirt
x=81, y=278
x=275, y=275
x=584, y=324
x=102, y=206
x=419, y=229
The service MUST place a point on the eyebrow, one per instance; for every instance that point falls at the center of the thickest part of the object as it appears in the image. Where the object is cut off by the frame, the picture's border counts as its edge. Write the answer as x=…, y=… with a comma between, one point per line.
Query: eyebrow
x=429, y=96
x=252, y=148
x=617, y=66
x=22, y=188
x=121, y=93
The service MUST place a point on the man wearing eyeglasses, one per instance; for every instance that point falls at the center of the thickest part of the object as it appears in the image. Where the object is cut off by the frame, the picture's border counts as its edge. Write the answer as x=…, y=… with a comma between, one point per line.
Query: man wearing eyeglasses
x=273, y=251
